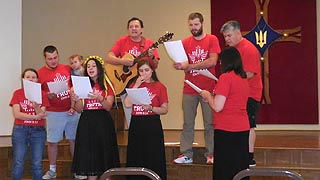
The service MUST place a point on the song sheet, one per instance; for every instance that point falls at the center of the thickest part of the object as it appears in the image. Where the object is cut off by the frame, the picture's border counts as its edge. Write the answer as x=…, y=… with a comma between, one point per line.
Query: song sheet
x=58, y=86
x=138, y=95
x=176, y=51
x=32, y=91
x=81, y=86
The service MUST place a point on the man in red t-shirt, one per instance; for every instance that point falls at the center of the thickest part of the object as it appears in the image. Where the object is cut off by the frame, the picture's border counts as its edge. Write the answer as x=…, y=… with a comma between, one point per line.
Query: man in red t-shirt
x=202, y=51
x=135, y=44
x=251, y=62
x=59, y=121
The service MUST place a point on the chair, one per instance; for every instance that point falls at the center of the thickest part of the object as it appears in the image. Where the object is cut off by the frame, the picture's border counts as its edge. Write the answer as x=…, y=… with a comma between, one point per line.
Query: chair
x=267, y=172
x=129, y=171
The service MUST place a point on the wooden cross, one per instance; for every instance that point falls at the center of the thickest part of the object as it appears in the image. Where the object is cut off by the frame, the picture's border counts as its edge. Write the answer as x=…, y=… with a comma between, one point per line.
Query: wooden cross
x=288, y=35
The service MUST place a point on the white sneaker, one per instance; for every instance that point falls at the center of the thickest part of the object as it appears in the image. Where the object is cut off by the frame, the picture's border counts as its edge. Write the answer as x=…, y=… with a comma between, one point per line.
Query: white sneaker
x=49, y=175
x=252, y=163
x=182, y=159
x=79, y=176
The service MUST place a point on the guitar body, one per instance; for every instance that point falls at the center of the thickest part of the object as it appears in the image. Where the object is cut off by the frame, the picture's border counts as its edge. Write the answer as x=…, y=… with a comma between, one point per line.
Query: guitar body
x=120, y=75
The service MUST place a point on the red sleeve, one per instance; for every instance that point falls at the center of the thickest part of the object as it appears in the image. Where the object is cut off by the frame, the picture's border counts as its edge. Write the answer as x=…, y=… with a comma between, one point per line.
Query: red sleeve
x=253, y=64
x=14, y=99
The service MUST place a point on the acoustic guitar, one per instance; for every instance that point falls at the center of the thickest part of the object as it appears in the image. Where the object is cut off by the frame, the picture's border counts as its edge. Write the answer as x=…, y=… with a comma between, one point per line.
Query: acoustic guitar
x=120, y=75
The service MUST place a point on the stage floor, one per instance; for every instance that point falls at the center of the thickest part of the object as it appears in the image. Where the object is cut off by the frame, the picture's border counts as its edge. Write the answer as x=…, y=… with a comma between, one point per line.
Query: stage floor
x=265, y=138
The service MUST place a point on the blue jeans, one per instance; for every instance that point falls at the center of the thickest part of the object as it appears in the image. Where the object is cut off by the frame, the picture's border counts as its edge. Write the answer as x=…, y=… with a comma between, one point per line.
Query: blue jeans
x=22, y=137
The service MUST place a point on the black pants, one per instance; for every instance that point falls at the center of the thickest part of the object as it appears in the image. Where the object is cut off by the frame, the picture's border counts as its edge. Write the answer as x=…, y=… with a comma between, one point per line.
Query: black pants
x=230, y=153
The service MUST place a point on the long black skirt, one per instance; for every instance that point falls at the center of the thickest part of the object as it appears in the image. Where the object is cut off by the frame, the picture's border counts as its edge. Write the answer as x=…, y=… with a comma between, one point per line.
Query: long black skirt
x=146, y=145
x=231, y=154
x=96, y=148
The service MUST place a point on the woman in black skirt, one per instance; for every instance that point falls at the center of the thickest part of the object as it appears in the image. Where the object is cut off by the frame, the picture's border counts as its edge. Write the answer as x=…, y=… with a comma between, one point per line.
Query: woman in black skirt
x=231, y=123
x=96, y=148
x=146, y=141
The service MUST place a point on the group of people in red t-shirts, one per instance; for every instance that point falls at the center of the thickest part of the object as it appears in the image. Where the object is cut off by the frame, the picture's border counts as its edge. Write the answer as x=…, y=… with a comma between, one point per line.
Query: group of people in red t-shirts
x=229, y=107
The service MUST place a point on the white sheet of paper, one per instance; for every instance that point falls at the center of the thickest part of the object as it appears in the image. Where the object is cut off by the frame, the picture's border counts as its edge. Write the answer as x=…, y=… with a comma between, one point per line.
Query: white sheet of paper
x=32, y=91
x=196, y=88
x=206, y=73
x=176, y=51
x=138, y=95
x=81, y=86
x=58, y=87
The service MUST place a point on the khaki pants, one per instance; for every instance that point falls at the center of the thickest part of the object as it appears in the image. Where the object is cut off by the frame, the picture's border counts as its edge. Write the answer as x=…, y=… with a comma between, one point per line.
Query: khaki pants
x=190, y=105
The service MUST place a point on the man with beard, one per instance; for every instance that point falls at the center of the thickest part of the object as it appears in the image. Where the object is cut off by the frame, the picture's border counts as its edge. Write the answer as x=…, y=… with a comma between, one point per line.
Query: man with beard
x=135, y=44
x=202, y=51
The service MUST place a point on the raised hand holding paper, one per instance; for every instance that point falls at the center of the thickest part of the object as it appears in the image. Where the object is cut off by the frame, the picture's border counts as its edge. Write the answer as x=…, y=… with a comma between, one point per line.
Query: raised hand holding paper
x=196, y=88
x=32, y=91
x=81, y=86
x=138, y=95
x=58, y=86
x=176, y=51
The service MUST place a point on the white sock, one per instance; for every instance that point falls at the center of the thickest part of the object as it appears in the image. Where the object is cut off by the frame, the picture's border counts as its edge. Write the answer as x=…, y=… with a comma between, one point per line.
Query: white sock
x=53, y=168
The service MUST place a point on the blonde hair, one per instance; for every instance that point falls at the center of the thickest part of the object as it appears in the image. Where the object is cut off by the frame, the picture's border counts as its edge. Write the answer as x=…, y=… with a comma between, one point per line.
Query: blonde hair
x=76, y=55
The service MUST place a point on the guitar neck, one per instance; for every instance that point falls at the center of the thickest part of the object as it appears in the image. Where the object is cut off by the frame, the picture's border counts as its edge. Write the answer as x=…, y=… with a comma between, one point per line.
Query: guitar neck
x=144, y=53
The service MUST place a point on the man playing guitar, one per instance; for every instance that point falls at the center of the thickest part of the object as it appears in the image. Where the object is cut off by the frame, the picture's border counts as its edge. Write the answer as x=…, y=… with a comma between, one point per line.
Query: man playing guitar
x=126, y=48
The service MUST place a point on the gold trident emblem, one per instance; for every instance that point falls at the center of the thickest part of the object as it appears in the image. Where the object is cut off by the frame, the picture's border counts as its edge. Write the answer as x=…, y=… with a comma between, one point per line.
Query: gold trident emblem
x=261, y=38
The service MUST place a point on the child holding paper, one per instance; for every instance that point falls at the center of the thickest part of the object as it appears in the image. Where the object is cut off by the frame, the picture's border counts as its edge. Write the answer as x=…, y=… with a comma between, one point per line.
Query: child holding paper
x=145, y=139
x=28, y=130
x=96, y=148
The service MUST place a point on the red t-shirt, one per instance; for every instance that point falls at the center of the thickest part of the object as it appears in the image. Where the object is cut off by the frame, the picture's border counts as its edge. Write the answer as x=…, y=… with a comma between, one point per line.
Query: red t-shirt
x=61, y=73
x=26, y=106
x=233, y=117
x=125, y=45
x=198, y=51
x=92, y=104
x=158, y=95
x=251, y=63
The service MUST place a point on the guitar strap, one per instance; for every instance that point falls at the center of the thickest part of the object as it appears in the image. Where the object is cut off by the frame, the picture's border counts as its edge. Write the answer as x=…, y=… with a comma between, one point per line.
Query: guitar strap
x=142, y=44
x=107, y=80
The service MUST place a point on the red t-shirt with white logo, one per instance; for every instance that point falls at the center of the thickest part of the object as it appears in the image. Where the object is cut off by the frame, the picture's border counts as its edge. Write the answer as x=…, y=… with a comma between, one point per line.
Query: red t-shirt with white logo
x=158, y=95
x=233, y=117
x=27, y=107
x=93, y=104
x=198, y=51
x=62, y=72
x=125, y=45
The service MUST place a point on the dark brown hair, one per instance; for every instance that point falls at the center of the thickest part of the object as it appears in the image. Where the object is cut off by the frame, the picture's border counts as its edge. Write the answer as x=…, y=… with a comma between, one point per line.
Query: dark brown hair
x=29, y=69
x=230, y=59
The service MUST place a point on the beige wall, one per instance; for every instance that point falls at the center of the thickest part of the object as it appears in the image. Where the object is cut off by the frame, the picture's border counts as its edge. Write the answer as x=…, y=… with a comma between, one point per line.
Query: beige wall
x=91, y=27
x=10, y=49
